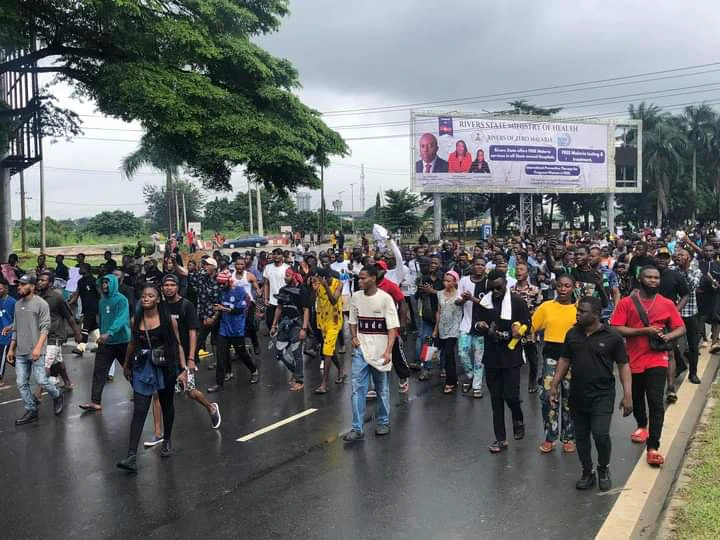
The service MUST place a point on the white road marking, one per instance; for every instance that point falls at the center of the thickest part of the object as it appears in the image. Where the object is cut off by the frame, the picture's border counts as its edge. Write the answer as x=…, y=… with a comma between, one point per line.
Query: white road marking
x=6, y=386
x=276, y=425
x=11, y=401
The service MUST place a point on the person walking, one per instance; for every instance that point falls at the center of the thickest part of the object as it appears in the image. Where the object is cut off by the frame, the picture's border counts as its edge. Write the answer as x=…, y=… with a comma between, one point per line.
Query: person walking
x=28, y=343
x=649, y=322
x=7, y=316
x=471, y=344
x=154, y=361
x=374, y=325
x=87, y=293
x=555, y=318
x=591, y=349
x=114, y=337
x=447, y=327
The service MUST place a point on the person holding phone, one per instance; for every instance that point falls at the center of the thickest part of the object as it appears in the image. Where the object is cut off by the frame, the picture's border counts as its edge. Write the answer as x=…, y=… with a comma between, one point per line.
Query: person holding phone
x=592, y=349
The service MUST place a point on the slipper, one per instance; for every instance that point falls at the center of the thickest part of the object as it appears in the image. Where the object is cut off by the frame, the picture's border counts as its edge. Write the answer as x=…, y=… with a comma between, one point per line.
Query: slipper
x=90, y=407
x=449, y=388
x=466, y=387
x=321, y=391
x=341, y=380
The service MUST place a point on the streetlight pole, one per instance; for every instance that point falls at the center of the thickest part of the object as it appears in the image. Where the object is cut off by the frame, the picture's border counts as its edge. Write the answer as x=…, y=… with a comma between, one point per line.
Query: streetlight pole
x=352, y=204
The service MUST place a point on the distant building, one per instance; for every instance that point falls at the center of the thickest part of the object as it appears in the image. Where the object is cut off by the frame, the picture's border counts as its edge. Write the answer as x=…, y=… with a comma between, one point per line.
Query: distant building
x=303, y=201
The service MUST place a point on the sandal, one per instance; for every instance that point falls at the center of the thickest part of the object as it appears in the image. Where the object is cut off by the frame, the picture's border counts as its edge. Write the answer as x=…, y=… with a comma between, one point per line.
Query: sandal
x=296, y=386
x=90, y=407
x=477, y=393
x=449, y=388
x=497, y=447
x=321, y=390
x=466, y=387
x=341, y=380
x=655, y=458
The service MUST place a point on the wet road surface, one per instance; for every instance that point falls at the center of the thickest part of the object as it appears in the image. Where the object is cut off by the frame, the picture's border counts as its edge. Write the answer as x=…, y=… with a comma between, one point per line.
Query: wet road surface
x=432, y=477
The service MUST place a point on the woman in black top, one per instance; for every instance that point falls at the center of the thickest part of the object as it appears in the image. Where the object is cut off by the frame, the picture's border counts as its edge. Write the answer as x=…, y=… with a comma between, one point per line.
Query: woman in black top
x=152, y=330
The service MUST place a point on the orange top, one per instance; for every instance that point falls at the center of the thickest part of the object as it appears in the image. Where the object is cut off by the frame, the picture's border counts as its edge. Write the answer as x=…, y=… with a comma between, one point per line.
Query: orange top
x=459, y=164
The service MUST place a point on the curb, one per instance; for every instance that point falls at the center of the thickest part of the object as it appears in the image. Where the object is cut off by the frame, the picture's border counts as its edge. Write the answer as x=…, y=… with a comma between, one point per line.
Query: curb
x=637, y=511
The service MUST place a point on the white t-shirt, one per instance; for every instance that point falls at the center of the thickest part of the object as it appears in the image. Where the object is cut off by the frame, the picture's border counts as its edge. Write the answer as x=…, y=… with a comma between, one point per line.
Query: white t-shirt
x=374, y=316
x=467, y=285
x=275, y=276
x=343, y=269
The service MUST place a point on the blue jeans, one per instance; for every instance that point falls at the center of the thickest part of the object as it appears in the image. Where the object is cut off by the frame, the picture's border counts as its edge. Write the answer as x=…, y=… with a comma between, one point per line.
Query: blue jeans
x=471, y=349
x=424, y=331
x=361, y=373
x=23, y=367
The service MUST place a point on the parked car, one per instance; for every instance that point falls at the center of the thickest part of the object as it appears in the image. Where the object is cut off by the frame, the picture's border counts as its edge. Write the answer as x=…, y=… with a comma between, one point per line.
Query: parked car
x=247, y=241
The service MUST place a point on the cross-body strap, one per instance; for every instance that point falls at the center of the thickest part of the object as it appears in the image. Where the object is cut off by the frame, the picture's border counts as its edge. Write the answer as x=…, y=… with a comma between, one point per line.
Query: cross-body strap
x=640, y=309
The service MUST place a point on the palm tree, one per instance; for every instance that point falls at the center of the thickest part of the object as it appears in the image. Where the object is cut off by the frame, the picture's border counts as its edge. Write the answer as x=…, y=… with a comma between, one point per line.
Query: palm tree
x=663, y=145
x=700, y=124
x=151, y=153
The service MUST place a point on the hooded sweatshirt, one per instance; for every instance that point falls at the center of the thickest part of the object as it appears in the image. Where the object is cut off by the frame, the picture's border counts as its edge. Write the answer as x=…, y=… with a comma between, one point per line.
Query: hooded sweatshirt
x=114, y=313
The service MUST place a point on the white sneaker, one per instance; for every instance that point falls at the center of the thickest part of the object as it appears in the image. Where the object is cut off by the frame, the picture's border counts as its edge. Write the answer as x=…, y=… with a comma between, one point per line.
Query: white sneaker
x=153, y=442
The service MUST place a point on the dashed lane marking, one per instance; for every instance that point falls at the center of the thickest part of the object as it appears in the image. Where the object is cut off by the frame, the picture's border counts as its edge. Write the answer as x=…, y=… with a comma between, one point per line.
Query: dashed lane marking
x=276, y=425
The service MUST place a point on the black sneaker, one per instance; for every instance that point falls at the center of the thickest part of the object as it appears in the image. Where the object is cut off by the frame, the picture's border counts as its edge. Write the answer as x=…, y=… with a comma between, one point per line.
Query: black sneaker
x=382, y=429
x=518, y=430
x=128, y=464
x=77, y=352
x=215, y=416
x=166, y=448
x=58, y=404
x=214, y=388
x=28, y=418
x=693, y=378
x=353, y=436
x=604, y=478
x=586, y=482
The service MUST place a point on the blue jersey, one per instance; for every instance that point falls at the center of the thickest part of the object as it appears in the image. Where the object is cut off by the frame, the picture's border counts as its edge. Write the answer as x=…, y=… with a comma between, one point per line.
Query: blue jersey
x=7, y=315
x=233, y=323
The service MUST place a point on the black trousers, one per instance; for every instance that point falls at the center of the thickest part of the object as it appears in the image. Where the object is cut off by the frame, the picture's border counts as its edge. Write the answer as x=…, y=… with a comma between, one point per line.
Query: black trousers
x=448, y=346
x=504, y=386
x=649, y=387
x=593, y=420
x=141, y=405
x=531, y=355
x=399, y=360
x=693, y=335
x=89, y=324
x=104, y=357
x=270, y=315
x=223, y=364
x=251, y=325
x=202, y=338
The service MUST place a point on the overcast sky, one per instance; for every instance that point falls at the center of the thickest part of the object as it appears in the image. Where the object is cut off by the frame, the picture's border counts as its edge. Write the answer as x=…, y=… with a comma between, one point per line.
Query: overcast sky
x=359, y=55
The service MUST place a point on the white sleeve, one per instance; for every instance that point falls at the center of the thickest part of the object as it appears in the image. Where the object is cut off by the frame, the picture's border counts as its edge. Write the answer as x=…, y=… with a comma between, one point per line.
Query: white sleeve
x=398, y=261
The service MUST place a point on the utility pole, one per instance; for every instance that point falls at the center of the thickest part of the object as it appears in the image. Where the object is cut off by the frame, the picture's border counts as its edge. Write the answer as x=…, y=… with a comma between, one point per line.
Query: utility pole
x=352, y=204
x=250, y=206
x=362, y=187
x=322, y=204
x=261, y=232
x=168, y=190
x=43, y=236
x=177, y=210
x=23, y=216
x=185, y=212
x=694, y=183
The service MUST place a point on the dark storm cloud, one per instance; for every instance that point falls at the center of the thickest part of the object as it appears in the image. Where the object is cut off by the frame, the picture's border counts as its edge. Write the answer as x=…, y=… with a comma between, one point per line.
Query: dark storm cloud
x=405, y=51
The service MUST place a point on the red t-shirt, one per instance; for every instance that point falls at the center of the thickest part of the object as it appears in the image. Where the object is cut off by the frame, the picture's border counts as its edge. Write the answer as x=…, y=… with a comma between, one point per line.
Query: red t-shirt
x=661, y=313
x=392, y=289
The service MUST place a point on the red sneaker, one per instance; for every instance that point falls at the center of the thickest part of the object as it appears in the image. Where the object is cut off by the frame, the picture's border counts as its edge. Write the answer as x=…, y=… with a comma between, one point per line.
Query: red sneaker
x=655, y=458
x=640, y=435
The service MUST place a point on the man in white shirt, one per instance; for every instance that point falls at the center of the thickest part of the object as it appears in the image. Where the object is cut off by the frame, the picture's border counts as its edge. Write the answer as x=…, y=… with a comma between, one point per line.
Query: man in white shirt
x=471, y=344
x=273, y=280
x=374, y=325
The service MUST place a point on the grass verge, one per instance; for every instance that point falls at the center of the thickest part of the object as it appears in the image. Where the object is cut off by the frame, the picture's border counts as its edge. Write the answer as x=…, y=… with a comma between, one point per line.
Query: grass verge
x=698, y=515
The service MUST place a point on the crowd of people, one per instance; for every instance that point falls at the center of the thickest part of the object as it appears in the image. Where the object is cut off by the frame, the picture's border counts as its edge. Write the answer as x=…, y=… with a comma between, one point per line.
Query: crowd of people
x=575, y=308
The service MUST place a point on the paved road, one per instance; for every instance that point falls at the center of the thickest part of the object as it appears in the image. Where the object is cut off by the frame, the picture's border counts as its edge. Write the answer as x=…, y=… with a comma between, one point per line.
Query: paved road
x=431, y=478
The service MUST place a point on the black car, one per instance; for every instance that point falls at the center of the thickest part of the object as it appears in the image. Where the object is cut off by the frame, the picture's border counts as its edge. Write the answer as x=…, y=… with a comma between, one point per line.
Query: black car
x=247, y=241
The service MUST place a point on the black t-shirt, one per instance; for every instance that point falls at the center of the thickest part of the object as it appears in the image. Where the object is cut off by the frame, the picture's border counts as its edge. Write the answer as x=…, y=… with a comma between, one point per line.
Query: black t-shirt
x=59, y=315
x=186, y=317
x=110, y=265
x=299, y=300
x=89, y=296
x=673, y=285
x=62, y=271
x=637, y=262
x=591, y=361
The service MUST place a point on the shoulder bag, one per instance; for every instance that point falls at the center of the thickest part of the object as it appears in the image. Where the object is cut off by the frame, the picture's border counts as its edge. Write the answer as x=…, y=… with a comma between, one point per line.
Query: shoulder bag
x=656, y=343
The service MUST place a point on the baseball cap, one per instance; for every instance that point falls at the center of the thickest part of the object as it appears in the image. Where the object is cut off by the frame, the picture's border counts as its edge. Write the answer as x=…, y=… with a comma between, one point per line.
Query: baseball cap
x=663, y=251
x=28, y=279
x=381, y=264
x=210, y=261
x=171, y=277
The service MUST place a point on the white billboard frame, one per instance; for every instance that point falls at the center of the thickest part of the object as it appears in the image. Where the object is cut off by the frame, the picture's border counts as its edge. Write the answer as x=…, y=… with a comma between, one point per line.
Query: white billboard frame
x=612, y=124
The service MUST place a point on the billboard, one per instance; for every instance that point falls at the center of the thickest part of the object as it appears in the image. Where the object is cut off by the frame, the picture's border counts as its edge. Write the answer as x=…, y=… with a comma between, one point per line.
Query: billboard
x=491, y=154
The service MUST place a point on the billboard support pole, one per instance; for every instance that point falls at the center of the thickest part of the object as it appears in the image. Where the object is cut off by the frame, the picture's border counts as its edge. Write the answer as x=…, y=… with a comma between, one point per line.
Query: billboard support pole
x=437, y=214
x=610, y=205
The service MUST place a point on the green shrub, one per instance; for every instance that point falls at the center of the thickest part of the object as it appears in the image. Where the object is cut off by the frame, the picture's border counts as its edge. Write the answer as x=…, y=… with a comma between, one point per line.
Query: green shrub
x=51, y=240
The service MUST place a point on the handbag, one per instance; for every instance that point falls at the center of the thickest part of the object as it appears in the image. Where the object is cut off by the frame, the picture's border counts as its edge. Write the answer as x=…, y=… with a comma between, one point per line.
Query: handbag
x=157, y=355
x=428, y=353
x=656, y=343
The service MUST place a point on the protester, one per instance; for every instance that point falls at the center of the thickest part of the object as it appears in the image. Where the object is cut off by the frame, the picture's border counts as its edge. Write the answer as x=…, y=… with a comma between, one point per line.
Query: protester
x=471, y=342
x=87, y=293
x=447, y=327
x=7, y=316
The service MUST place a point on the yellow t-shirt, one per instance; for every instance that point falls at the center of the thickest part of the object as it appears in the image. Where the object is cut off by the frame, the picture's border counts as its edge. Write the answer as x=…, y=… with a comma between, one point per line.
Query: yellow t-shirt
x=555, y=319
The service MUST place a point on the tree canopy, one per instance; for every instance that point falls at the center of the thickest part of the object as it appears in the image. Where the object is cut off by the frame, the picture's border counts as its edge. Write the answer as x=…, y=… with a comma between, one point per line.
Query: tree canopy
x=115, y=222
x=156, y=198
x=189, y=72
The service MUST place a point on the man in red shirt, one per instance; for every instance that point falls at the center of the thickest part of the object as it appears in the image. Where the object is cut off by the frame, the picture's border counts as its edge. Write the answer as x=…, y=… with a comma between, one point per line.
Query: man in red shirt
x=647, y=364
x=399, y=361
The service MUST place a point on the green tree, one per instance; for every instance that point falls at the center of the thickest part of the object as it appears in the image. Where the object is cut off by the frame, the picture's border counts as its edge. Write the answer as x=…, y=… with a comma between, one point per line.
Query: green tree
x=221, y=214
x=156, y=199
x=189, y=71
x=115, y=222
x=399, y=212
